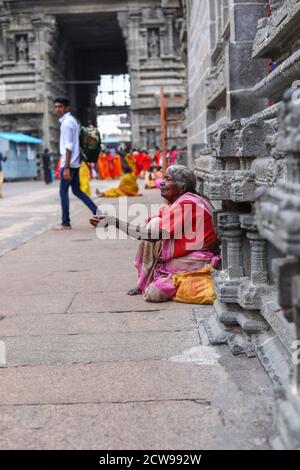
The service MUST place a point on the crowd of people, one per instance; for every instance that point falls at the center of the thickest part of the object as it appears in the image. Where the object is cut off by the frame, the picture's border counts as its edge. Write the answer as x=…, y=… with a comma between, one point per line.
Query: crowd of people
x=117, y=164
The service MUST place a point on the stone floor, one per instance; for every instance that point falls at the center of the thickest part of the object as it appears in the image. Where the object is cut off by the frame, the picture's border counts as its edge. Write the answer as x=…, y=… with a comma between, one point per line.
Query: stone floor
x=29, y=208
x=88, y=367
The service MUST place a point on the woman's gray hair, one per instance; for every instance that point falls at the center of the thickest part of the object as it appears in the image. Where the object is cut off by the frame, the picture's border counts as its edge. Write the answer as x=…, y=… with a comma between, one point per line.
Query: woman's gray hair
x=184, y=177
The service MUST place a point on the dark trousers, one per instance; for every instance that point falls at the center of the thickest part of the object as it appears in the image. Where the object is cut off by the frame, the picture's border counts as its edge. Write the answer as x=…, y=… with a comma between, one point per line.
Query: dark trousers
x=64, y=194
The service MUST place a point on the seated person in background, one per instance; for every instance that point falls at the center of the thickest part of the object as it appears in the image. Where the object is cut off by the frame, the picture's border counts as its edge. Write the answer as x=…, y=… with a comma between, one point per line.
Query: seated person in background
x=147, y=162
x=153, y=177
x=180, y=239
x=128, y=186
x=130, y=160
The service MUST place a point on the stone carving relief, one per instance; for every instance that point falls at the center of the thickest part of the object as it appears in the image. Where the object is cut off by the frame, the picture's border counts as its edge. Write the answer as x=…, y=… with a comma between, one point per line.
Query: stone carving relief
x=153, y=43
x=22, y=48
x=151, y=138
x=216, y=79
x=153, y=14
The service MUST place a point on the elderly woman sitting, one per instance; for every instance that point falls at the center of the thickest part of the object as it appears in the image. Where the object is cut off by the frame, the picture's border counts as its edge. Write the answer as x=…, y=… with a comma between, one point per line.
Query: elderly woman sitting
x=180, y=239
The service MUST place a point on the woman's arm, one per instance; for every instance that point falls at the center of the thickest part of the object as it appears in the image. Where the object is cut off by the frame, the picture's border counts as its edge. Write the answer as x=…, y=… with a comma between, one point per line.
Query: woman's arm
x=135, y=231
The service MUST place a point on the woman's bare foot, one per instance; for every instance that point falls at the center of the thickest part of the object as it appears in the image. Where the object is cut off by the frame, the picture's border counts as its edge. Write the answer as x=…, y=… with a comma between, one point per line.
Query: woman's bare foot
x=135, y=291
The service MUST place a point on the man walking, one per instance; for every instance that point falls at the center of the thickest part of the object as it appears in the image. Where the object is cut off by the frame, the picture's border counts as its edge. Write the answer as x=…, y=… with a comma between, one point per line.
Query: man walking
x=2, y=159
x=70, y=161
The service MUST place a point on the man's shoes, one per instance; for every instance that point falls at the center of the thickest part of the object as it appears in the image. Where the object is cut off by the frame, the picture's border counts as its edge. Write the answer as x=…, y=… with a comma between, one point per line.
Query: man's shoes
x=61, y=228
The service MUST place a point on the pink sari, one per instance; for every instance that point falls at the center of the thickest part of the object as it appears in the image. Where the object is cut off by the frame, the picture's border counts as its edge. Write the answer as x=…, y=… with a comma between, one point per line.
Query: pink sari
x=156, y=263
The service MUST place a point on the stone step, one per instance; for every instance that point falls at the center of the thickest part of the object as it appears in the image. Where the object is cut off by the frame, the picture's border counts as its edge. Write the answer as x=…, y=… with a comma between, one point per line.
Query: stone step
x=240, y=343
x=215, y=331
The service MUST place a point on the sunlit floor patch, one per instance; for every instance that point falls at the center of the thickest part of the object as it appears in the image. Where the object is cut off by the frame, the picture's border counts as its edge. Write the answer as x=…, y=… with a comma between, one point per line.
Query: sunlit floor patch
x=198, y=355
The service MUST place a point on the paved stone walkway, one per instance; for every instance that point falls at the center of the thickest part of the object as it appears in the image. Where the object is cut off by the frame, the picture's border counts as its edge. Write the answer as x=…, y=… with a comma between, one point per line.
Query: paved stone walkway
x=29, y=208
x=89, y=367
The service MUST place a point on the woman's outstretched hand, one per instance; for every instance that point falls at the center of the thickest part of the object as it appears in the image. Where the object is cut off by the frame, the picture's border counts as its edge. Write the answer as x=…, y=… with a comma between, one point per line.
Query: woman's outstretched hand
x=102, y=220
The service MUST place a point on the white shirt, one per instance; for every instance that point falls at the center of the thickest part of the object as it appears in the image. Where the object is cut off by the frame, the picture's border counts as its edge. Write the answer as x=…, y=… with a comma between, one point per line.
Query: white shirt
x=69, y=139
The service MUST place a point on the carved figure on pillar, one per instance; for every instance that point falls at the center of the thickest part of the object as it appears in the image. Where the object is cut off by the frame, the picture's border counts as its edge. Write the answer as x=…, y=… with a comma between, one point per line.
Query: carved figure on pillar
x=153, y=44
x=22, y=49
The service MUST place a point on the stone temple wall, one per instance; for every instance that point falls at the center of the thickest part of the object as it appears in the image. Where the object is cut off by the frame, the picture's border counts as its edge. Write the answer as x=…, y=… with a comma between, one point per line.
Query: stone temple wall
x=250, y=169
x=220, y=71
x=154, y=60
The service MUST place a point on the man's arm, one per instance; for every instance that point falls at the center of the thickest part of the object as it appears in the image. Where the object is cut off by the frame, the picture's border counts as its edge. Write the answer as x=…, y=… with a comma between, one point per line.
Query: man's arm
x=66, y=173
x=69, y=136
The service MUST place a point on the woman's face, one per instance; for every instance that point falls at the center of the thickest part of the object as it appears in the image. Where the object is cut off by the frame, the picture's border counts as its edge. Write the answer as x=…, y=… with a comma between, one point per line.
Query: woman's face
x=169, y=189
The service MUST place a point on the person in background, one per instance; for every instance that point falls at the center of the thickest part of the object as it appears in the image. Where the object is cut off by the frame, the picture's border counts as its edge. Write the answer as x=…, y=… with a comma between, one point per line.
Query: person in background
x=122, y=152
x=173, y=156
x=157, y=157
x=139, y=156
x=128, y=186
x=85, y=177
x=57, y=169
x=146, y=162
x=103, y=169
x=2, y=159
x=70, y=161
x=130, y=160
x=153, y=177
x=118, y=168
x=111, y=168
x=47, y=166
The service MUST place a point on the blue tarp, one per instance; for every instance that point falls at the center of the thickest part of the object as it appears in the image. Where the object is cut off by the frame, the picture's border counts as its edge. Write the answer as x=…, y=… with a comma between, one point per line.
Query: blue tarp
x=20, y=138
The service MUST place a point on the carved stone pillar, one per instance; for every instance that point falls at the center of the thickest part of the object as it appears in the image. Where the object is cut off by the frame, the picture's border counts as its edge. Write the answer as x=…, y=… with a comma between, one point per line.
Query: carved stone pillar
x=259, y=273
x=233, y=238
x=4, y=24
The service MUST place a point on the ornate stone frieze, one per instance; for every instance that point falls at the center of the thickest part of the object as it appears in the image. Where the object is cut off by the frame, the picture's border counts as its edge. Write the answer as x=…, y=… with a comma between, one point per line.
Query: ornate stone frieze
x=274, y=84
x=278, y=208
x=216, y=80
x=271, y=31
x=231, y=173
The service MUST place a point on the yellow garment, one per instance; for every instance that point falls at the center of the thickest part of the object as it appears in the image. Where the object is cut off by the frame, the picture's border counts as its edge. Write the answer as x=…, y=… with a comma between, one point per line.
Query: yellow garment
x=195, y=288
x=130, y=160
x=84, y=177
x=128, y=187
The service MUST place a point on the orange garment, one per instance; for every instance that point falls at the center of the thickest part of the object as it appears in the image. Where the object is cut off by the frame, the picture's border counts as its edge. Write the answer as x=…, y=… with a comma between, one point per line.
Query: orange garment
x=195, y=288
x=111, y=168
x=118, y=169
x=103, y=168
